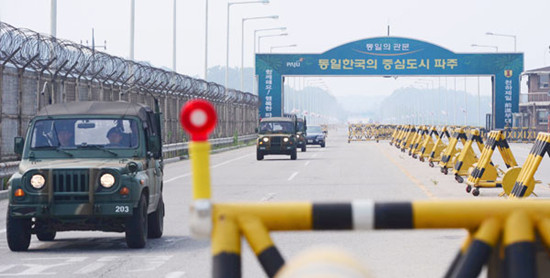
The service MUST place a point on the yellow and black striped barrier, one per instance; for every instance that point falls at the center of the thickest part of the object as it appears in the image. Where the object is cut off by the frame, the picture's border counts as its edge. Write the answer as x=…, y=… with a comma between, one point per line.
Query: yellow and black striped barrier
x=427, y=144
x=484, y=174
x=421, y=135
x=369, y=132
x=396, y=131
x=525, y=182
x=439, y=147
x=495, y=227
x=408, y=138
x=448, y=158
x=467, y=156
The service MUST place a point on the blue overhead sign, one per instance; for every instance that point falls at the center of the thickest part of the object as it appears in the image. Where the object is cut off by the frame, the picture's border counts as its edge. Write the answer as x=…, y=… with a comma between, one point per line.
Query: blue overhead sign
x=392, y=56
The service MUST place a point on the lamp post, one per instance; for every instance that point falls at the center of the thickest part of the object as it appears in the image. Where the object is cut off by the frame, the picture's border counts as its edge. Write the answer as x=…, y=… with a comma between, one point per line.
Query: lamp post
x=504, y=35
x=206, y=41
x=481, y=45
x=132, y=28
x=227, y=33
x=268, y=36
x=281, y=46
x=242, y=40
x=254, y=53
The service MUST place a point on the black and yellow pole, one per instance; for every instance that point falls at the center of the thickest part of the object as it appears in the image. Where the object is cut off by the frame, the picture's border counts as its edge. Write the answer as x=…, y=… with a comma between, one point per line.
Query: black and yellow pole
x=519, y=245
x=257, y=236
x=226, y=248
x=477, y=254
x=460, y=254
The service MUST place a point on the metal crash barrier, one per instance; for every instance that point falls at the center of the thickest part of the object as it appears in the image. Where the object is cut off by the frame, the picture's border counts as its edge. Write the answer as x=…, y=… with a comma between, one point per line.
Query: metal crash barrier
x=502, y=234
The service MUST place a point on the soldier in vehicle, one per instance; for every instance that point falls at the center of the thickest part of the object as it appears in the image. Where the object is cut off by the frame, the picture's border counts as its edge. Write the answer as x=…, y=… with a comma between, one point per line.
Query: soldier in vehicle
x=115, y=137
x=64, y=135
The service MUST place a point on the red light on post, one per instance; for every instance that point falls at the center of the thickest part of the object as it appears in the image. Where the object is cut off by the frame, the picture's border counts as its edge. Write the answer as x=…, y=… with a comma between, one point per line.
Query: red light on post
x=198, y=118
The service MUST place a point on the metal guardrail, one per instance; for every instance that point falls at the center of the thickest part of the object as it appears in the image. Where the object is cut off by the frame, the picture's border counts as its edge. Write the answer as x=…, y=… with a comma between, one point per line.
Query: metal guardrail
x=8, y=168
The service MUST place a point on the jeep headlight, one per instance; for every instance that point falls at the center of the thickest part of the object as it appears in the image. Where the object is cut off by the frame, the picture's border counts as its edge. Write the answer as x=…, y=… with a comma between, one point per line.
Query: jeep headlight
x=285, y=139
x=37, y=181
x=107, y=180
x=265, y=139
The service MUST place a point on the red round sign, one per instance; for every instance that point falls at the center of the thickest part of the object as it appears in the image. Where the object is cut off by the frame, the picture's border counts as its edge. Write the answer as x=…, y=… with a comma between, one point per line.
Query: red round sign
x=198, y=117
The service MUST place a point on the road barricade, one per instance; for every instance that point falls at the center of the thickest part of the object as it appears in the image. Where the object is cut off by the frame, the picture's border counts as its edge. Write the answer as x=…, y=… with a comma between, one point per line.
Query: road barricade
x=394, y=134
x=427, y=144
x=439, y=147
x=402, y=133
x=421, y=134
x=467, y=156
x=525, y=183
x=448, y=158
x=484, y=174
x=408, y=137
x=502, y=234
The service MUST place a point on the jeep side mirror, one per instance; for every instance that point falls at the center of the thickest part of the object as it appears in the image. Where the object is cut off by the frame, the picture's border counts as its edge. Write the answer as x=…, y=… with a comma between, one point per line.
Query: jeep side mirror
x=154, y=144
x=18, y=143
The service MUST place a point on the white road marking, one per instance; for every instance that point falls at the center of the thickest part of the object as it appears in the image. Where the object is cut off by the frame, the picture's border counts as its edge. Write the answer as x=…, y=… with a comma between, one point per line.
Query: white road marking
x=175, y=274
x=292, y=176
x=307, y=163
x=213, y=167
x=267, y=197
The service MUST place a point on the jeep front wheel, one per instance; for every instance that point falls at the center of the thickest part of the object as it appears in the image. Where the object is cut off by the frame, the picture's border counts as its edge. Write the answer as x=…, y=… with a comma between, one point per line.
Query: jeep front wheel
x=18, y=233
x=293, y=155
x=304, y=147
x=46, y=236
x=136, y=225
x=259, y=155
x=156, y=221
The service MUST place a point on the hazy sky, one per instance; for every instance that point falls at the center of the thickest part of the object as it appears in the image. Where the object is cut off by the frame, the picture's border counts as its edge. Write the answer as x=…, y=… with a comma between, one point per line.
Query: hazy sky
x=314, y=25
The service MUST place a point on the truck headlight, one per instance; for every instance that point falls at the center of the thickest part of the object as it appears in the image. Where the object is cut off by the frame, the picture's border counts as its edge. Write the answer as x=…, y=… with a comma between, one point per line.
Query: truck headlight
x=37, y=181
x=107, y=180
x=265, y=139
x=285, y=139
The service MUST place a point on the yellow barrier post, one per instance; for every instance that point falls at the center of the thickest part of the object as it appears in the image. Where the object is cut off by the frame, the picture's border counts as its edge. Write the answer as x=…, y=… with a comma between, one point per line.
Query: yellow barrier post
x=451, y=152
x=525, y=182
x=484, y=173
x=467, y=156
x=438, y=148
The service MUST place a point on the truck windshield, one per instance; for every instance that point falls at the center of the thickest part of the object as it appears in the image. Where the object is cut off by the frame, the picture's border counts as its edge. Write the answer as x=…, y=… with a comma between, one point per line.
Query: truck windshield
x=83, y=133
x=276, y=127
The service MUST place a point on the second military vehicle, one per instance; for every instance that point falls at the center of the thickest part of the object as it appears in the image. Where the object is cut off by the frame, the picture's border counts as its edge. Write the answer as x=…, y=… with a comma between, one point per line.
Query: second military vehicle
x=277, y=135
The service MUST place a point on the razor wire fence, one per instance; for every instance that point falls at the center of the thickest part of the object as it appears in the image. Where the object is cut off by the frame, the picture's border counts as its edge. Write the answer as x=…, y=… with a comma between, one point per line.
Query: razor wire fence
x=37, y=70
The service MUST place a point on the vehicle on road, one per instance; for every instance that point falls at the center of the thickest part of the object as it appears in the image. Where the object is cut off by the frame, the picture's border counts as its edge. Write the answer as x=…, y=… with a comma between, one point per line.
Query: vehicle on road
x=277, y=135
x=301, y=130
x=88, y=165
x=316, y=136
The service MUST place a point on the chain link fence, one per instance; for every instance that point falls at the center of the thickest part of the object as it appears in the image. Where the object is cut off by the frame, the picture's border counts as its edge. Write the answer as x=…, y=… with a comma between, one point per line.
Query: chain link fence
x=37, y=70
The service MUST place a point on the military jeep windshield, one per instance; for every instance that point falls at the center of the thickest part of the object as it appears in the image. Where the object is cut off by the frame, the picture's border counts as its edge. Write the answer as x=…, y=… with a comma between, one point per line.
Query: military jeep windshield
x=114, y=133
x=276, y=127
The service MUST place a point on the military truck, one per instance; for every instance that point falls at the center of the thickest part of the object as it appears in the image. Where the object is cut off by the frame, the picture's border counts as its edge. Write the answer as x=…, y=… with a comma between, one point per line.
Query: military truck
x=277, y=135
x=301, y=130
x=88, y=165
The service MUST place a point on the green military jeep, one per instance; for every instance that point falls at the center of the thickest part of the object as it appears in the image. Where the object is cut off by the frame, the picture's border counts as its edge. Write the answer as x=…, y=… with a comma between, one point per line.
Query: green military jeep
x=277, y=136
x=88, y=166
